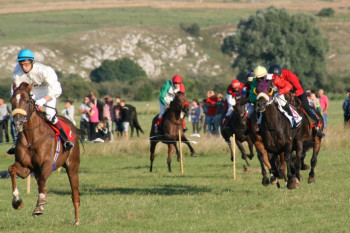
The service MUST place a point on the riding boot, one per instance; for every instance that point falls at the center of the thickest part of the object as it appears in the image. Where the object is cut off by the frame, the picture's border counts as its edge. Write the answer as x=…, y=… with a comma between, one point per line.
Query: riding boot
x=225, y=122
x=287, y=109
x=11, y=151
x=319, y=132
x=66, y=143
x=157, y=125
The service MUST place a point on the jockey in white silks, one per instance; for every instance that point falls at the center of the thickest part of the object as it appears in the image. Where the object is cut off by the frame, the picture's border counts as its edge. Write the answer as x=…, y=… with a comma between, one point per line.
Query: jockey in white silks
x=46, y=87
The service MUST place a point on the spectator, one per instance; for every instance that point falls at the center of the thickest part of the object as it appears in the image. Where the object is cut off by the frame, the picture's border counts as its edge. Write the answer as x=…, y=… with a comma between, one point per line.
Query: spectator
x=13, y=130
x=4, y=116
x=203, y=117
x=125, y=117
x=211, y=104
x=98, y=104
x=85, y=119
x=108, y=116
x=324, y=105
x=117, y=117
x=315, y=102
x=68, y=111
x=102, y=132
x=93, y=118
x=195, y=115
x=219, y=109
x=346, y=108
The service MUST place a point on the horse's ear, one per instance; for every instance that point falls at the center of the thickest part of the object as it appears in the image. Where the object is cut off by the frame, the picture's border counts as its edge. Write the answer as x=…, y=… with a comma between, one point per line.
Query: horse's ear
x=30, y=87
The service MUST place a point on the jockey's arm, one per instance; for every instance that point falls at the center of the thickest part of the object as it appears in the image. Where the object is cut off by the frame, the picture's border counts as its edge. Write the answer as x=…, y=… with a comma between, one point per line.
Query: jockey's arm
x=282, y=85
x=163, y=91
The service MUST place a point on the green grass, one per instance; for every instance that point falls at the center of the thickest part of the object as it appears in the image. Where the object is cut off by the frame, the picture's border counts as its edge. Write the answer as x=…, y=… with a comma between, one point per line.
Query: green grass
x=119, y=194
x=53, y=26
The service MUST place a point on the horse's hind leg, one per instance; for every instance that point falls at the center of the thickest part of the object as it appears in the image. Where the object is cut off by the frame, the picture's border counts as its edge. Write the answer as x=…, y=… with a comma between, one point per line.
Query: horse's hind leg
x=17, y=169
x=241, y=148
x=313, y=162
x=171, y=147
x=251, y=148
x=193, y=154
x=152, y=149
x=72, y=172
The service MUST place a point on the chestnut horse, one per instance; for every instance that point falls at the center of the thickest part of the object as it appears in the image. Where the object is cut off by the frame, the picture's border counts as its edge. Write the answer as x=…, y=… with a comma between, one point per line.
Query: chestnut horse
x=237, y=125
x=36, y=148
x=170, y=127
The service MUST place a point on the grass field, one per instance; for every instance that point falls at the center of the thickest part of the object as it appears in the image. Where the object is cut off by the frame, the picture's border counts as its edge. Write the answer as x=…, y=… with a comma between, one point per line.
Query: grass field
x=119, y=194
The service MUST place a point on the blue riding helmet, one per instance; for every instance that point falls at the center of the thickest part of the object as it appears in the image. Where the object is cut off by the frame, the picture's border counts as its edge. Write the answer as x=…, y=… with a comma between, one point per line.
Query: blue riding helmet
x=25, y=54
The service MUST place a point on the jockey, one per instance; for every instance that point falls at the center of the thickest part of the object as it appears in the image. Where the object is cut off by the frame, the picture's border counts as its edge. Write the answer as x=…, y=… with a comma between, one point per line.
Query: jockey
x=285, y=81
x=167, y=94
x=46, y=87
x=233, y=95
x=283, y=106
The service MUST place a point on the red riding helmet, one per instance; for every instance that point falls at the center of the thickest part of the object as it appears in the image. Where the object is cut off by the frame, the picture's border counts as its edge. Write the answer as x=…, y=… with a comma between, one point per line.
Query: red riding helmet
x=177, y=79
x=235, y=83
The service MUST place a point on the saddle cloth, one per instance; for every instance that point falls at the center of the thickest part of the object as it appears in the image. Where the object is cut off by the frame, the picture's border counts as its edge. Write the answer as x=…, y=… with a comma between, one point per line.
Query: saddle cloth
x=66, y=129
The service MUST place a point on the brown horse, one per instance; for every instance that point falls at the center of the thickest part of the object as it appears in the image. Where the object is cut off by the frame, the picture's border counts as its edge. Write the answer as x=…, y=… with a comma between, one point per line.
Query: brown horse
x=237, y=125
x=35, y=150
x=170, y=127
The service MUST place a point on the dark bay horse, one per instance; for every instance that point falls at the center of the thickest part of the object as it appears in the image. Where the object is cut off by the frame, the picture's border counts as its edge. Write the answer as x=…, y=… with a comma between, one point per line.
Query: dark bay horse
x=277, y=134
x=237, y=125
x=36, y=148
x=169, y=128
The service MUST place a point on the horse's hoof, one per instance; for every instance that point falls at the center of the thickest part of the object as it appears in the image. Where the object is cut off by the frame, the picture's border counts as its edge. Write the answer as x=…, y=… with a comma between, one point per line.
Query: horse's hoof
x=265, y=181
x=278, y=185
x=39, y=210
x=41, y=201
x=193, y=155
x=17, y=205
x=76, y=223
x=231, y=158
x=179, y=159
x=291, y=184
x=245, y=169
x=305, y=167
x=250, y=156
x=311, y=180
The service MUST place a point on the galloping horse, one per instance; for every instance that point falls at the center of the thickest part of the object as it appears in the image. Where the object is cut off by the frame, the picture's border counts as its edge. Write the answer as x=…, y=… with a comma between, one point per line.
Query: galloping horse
x=277, y=134
x=237, y=125
x=169, y=128
x=38, y=150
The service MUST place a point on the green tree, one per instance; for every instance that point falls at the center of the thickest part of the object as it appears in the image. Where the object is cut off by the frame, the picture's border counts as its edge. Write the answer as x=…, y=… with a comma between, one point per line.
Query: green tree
x=120, y=69
x=326, y=12
x=274, y=36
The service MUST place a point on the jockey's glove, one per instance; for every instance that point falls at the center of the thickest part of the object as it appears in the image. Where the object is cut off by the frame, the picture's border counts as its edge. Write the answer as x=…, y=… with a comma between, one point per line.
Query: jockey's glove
x=40, y=102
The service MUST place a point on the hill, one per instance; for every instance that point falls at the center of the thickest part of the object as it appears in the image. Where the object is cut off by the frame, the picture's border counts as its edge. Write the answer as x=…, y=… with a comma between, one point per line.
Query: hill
x=75, y=36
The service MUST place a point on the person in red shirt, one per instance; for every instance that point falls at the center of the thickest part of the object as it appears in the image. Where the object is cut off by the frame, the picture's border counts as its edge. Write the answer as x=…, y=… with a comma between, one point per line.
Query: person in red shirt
x=233, y=95
x=285, y=81
x=211, y=104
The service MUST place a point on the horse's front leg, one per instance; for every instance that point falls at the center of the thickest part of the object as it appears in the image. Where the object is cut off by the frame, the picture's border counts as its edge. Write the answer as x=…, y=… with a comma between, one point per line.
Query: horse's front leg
x=171, y=148
x=152, y=149
x=251, y=148
x=17, y=169
x=41, y=181
x=291, y=183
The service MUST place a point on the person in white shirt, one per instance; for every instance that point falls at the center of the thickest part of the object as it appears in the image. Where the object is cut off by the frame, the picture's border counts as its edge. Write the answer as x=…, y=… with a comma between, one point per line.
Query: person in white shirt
x=46, y=87
x=68, y=111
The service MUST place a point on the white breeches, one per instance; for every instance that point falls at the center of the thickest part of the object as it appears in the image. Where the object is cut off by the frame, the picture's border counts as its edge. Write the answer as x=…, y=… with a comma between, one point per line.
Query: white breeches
x=51, y=109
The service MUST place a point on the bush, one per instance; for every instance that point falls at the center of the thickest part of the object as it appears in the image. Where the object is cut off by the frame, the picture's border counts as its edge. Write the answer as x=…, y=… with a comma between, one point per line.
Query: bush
x=326, y=12
x=123, y=70
x=273, y=36
x=75, y=87
x=194, y=29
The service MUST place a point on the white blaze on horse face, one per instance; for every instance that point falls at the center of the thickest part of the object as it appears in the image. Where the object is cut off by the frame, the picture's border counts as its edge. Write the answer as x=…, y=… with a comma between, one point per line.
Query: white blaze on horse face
x=18, y=98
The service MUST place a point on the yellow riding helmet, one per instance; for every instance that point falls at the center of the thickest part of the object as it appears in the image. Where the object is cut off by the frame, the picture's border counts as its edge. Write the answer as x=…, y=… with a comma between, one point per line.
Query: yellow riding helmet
x=260, y=72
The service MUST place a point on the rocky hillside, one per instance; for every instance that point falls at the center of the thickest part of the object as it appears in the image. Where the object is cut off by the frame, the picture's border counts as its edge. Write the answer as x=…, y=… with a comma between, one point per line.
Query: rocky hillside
x=160, y=53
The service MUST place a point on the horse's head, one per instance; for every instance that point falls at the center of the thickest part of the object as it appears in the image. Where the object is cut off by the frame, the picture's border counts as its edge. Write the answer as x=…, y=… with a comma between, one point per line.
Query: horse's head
x=22, y=104
x=264, y=97
x=180, y=103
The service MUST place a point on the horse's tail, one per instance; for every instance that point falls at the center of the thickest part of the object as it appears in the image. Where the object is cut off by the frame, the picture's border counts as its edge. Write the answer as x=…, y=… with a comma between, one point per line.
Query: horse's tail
x=136, y=123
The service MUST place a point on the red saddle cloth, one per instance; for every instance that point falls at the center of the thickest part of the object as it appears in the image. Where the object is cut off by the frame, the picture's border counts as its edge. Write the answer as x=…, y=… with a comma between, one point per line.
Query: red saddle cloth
x=66, y=129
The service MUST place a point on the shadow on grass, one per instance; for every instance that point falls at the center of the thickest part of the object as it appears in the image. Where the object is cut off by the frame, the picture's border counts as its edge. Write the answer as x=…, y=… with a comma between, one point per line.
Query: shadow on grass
x=166, y=190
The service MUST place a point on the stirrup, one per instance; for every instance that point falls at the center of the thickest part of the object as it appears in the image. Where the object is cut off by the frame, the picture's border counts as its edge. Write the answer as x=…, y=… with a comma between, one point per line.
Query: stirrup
x=296, y=125
x=68, y=145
